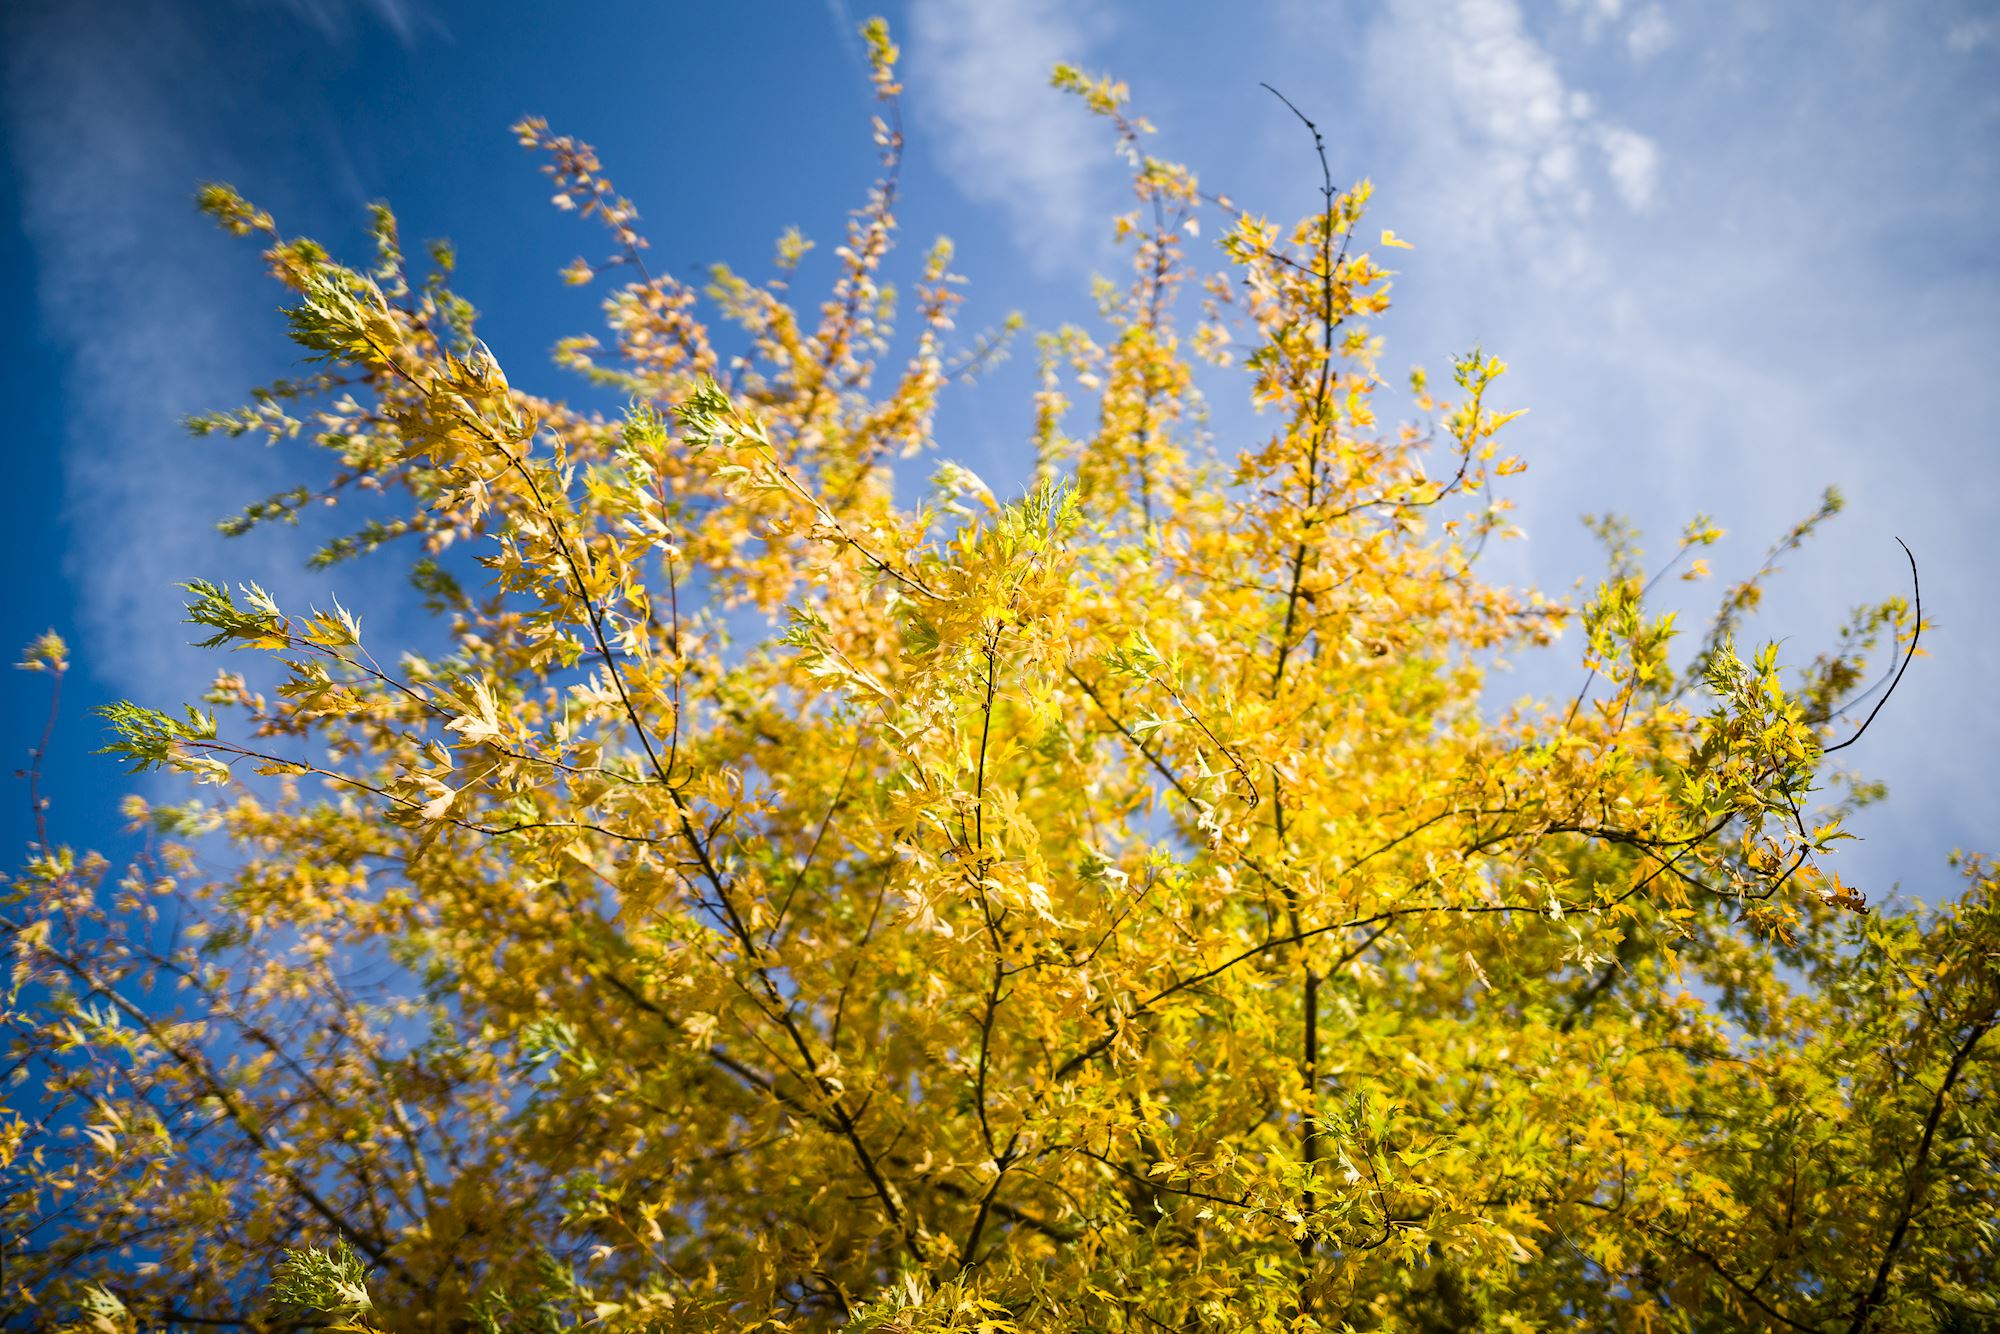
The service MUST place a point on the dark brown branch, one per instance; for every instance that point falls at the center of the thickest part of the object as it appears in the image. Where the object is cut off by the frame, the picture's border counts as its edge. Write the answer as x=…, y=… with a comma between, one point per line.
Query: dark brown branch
x=1915, y=1183
x=1916, y=633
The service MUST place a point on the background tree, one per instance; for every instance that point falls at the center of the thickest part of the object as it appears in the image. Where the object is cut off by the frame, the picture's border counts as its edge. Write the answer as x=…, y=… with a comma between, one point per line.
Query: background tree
x=1114, y=907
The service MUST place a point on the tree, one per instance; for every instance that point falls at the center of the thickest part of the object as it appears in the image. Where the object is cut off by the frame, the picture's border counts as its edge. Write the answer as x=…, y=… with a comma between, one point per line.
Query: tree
x=1106, y=908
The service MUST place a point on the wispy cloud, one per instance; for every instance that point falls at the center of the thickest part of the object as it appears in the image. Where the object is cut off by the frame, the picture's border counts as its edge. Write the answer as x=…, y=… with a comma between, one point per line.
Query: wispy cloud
x=1650, y=33
x=1634, y=163
x=335, y=18
x=1510, y=145
x=1647, y=29
x=1970, y=35
x=1595, y=15
x=848, y=33
x=979, y=71
x=152, y=316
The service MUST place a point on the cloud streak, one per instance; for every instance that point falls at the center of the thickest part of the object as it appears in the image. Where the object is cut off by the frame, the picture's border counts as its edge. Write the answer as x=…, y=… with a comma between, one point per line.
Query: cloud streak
x=334, y=18
x=1509, y=145
x=151, y=317
x=980, y=72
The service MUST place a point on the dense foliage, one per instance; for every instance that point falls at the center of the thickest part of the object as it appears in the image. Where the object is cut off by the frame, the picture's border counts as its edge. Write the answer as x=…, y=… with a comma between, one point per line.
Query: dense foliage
x=1116, y=907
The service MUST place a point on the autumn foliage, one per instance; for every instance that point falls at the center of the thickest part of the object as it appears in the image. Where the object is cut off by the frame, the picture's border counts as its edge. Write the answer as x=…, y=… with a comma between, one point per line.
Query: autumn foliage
x=1112, y=905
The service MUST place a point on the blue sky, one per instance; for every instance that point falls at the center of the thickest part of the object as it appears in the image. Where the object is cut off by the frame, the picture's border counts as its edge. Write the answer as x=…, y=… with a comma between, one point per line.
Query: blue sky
x=1734, y=252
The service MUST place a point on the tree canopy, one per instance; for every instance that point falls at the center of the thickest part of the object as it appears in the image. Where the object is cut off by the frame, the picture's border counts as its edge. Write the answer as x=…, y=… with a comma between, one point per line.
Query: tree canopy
x=1117, y=904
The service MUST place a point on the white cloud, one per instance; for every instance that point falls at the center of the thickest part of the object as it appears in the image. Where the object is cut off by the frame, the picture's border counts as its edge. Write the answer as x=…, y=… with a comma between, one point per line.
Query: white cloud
x=1634, y=163
x=1512, y=147
x=1648, y=33
x=90, y=142
x=1972, y=34
x=979, y=70
x=1595, y=13
x=151, y=314
x=1651, y=33
x=333, y=17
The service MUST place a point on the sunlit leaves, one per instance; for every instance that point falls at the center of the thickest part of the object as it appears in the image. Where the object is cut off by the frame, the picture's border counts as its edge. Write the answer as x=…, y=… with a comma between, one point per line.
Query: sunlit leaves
x=1105, y=896
x=331, y=1285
